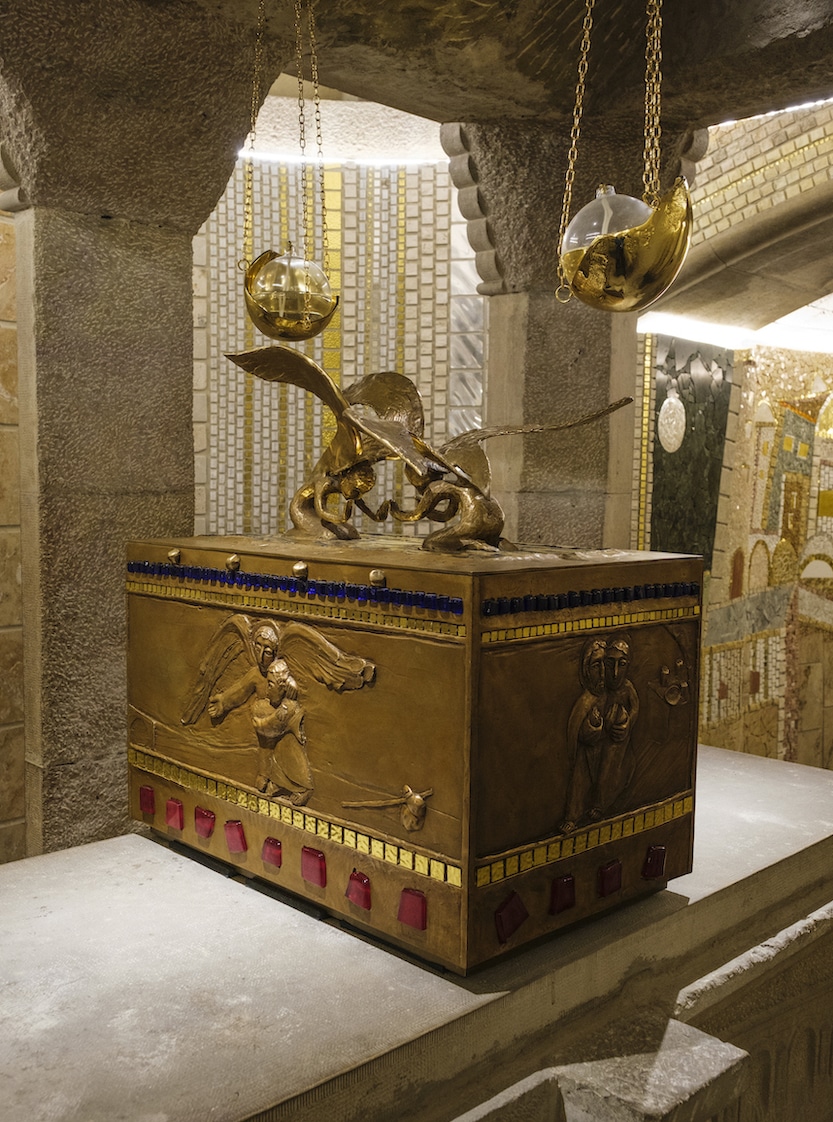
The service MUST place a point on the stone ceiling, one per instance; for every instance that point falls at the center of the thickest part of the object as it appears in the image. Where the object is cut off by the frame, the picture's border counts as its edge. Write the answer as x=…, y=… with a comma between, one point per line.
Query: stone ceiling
x=479, y=60
x=489, y=60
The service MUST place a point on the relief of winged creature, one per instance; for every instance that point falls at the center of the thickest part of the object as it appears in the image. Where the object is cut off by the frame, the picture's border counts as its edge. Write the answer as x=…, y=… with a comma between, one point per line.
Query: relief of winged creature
x=269, y=664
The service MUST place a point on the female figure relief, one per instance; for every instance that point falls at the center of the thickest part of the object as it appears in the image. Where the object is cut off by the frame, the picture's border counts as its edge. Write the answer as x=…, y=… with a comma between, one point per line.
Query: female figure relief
x=599, y=732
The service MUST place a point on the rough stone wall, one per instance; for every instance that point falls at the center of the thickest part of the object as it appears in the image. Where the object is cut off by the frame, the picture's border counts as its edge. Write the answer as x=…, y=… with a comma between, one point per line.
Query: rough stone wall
x=12, y=824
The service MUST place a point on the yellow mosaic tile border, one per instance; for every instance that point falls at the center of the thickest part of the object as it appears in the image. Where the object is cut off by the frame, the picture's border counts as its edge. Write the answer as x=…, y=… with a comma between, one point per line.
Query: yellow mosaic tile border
x=300, y=820
x=642, y=520
x=590, y=623
x=296, y=606
x=549, y=852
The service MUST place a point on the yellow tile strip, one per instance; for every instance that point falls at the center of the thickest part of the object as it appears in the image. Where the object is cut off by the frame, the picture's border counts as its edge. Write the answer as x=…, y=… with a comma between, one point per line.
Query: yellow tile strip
x=557, y=850
x=297, y=606
x=642, y=521
x=298, y=819
x=590, y=623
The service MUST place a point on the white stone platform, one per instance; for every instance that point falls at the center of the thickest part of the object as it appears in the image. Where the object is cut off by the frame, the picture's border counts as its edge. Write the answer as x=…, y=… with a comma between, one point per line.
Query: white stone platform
x=139, y=986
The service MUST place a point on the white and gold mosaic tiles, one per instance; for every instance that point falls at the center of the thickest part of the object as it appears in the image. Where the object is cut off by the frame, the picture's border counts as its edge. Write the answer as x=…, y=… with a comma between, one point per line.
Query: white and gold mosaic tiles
x=401, y=264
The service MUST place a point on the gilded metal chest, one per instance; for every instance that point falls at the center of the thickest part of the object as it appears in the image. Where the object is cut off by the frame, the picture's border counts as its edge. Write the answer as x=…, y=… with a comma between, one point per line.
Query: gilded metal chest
x=458, y=754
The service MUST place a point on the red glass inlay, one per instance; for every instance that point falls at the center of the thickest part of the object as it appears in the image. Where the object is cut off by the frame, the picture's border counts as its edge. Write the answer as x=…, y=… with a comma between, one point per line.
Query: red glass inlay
x=147, y=800
x=358, y=890
x=413, y=908
x=204, y=822
x=314, y=866
x=175, y=814
x=654, y=867
x=235, y=837
x=509, y=917
x=609, y=878
x=272, y=853
x=563, y=894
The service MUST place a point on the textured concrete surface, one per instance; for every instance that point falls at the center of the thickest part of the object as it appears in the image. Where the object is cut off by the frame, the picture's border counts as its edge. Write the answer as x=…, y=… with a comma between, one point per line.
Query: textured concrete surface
x=106, y=388
x=141, y=986
x=687, y=1076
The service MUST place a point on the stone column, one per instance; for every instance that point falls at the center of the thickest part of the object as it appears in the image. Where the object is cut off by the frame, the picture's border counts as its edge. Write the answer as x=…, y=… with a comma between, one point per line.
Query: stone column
x=123, y=123
x=549, y=361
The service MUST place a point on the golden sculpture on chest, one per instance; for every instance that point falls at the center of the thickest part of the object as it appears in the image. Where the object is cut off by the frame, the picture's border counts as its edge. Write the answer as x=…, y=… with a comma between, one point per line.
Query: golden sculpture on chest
x=381, y=418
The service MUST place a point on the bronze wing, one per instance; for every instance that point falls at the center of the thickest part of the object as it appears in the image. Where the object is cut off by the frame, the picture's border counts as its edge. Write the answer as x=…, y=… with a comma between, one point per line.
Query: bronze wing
x=467, y=458
x=308, y=652
x=283, y=364
x=231, y=639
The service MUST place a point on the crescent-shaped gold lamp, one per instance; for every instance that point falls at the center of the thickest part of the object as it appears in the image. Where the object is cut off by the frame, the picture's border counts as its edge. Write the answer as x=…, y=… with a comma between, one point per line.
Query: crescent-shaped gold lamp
x=620, y=253
x=616, y=264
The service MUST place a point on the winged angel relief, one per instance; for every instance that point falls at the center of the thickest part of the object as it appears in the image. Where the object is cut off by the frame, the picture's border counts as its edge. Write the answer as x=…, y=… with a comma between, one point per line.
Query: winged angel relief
x=266, y=666
x=380, y=417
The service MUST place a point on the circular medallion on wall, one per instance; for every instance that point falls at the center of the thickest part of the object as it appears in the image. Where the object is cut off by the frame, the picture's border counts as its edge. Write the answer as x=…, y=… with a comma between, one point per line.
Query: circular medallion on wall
x=671, y=422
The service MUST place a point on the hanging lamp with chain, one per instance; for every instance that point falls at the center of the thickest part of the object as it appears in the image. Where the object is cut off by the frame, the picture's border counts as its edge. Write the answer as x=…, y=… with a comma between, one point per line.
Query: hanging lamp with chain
x=288, y=295
x=619, y=253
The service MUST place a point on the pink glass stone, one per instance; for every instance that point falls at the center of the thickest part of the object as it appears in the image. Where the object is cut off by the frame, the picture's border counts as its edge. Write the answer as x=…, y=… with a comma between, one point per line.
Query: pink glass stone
x=563, y=894
x=272, y=853
x=235, y=837
x=358, y=890
x=654, y=867
x=413, y=908
x=314, y=866
x=609, y=878
x=147, y=800
x=175, y=814
x=509, y=917
x=204, y=822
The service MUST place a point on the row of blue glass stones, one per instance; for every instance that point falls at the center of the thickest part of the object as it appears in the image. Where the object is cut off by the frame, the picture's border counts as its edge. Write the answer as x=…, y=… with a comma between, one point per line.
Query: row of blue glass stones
x=588, y=597
x=321, y=589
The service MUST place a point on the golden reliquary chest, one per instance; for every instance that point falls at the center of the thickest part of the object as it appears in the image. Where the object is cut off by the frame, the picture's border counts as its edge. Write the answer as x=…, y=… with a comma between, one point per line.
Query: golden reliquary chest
x=456, y=753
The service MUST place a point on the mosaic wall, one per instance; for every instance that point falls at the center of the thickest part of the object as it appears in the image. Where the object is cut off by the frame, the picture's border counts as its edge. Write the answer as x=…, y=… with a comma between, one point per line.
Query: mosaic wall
x=755, y=164
x=401, y=263
x=767, y=683
x=697, y=378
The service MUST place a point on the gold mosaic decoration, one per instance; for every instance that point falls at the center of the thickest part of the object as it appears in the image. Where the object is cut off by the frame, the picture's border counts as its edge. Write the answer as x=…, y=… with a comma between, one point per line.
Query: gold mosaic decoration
x=295, y=819
x=546, y=853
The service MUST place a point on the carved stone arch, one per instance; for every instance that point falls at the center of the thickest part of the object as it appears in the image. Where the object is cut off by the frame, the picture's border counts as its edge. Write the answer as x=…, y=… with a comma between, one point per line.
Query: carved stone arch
x=816, y=566
x=758, y=579
x=784, y=568
x=801, y=1065
x=463, y=173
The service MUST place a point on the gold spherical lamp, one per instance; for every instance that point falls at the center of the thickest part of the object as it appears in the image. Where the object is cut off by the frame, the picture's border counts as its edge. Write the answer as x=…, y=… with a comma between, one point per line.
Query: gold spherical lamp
x=288, y=297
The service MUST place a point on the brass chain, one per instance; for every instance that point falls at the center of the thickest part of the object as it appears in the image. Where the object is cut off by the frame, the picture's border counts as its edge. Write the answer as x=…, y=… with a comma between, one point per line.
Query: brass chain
x=302, y=126
x=307, y=175
x=653, y=87
x=563, y=292
x=248, y=169
x=320, y=146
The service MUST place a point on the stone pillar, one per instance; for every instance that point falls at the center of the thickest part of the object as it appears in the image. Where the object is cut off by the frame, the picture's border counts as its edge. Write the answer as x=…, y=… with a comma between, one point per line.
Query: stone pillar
x=123, y=123
x=549, y=361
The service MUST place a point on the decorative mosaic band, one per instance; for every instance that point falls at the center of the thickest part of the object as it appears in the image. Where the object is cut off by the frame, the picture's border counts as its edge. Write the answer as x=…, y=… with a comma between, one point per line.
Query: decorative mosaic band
x=317, y=600
x=548, y=852
x=299, y=819
x=591, y=623
x=588, y=597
